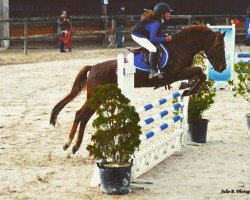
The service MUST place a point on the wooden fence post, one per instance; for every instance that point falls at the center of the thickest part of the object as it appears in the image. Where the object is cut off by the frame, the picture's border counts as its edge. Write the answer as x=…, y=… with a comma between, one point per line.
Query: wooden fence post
x=25, y=37
x=105, y=25
x=4, y=26
x=113, y=41
x=189, y=21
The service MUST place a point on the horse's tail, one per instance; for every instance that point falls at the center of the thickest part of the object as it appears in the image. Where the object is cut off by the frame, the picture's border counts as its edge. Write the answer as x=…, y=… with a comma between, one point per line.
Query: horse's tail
x=79, y=84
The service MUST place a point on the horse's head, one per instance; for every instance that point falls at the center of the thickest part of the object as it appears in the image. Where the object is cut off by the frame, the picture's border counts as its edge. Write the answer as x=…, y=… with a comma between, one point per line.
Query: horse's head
x=216, y=52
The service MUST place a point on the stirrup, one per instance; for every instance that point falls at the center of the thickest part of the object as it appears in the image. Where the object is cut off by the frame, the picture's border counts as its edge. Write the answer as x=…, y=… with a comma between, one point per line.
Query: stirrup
x=160, y=75
x=153, y=75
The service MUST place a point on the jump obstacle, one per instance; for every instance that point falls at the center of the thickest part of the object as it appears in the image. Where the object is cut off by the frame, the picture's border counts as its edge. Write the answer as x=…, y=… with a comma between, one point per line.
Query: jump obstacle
x=242, y=57
x=146, y=159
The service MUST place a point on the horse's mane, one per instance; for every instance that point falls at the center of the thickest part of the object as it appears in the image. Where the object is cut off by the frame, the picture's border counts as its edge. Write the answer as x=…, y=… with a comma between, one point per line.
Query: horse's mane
x=192, y=29
x=197, y=28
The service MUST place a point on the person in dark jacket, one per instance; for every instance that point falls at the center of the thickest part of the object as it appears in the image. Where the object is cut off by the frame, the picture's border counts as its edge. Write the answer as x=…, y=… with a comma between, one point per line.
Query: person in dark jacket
x=147, y=32
x=64, y=30
x=121, y=21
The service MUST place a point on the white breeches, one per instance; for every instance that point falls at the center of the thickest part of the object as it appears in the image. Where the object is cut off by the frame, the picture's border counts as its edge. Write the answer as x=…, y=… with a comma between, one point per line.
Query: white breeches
x=144, y=42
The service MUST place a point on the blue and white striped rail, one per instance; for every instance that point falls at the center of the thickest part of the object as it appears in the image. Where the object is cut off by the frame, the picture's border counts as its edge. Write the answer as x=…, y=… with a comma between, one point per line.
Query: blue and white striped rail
x=243, y=57
x=159, y=102
x=160, y=115
x=161, y=127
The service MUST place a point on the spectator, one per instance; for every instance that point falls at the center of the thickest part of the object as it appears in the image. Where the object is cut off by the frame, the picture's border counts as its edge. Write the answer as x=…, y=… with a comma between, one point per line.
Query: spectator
x=64, y=30
x=121, y=21
x=235, y=21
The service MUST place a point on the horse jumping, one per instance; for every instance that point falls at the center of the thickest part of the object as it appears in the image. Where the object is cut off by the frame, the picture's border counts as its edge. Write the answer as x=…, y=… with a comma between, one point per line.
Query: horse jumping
x=185, y=45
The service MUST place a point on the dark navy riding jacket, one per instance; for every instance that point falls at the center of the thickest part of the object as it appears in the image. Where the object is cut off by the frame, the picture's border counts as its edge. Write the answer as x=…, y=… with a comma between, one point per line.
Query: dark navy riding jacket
x=150, y=30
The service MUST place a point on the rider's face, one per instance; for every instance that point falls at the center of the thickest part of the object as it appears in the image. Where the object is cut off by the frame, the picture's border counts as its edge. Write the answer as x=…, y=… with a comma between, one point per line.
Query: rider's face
x=64, y=13
x=166, y=16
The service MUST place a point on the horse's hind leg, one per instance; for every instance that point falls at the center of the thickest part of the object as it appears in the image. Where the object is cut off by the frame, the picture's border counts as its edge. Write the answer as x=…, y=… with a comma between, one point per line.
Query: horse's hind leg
x=72, y=131
x=78, y=117
x=85, y=116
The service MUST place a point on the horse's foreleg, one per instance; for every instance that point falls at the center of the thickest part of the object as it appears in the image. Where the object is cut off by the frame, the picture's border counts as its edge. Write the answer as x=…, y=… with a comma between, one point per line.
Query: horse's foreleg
x=85, y=116
x=195, y=76
x=196, y=87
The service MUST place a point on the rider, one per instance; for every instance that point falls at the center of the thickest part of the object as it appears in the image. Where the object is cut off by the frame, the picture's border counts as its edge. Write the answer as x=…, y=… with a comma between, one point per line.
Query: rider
x=147, y=32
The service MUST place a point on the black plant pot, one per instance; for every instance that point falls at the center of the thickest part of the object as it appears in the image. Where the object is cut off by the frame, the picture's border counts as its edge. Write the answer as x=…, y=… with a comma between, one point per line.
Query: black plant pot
x=115, y=180
x=248, y=120
x=198, y=130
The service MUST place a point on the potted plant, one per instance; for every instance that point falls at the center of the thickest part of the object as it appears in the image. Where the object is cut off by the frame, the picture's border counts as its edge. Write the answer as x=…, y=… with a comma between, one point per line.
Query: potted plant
x=198, y=103
x=116, y=138
x=242, y=86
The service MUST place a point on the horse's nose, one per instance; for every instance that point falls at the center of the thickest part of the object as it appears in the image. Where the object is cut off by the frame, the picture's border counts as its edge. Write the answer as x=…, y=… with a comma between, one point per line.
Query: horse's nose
x=222, y=67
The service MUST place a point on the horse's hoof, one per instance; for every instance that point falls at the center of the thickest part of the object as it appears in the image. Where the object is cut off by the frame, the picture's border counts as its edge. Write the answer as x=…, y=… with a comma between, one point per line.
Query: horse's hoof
x=186, y=93
x=65, y=147
x=75, y=149
x=183, y=86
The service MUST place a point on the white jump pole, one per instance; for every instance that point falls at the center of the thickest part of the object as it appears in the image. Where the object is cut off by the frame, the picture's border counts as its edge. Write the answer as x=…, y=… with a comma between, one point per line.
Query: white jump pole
x=125, y=72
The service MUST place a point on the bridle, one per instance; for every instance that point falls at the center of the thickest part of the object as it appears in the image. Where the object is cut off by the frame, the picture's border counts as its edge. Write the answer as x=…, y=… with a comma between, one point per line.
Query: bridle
x=212, y=55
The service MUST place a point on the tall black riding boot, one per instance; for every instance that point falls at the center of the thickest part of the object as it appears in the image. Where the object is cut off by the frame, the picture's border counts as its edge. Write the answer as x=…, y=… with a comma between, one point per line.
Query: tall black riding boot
x=62, y=47
x=153, y=65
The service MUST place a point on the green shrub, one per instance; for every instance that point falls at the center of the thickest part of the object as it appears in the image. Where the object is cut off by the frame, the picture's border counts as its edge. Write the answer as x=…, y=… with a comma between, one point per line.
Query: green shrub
x=242, y=86
x=117, y=130
x=201, y=101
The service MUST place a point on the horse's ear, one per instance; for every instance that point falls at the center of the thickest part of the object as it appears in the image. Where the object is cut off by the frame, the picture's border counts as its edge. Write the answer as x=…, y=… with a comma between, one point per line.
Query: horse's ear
x=221, y=36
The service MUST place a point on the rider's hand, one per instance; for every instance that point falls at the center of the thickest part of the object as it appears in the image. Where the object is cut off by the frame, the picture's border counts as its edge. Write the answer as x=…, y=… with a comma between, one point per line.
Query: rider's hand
x=169, y=38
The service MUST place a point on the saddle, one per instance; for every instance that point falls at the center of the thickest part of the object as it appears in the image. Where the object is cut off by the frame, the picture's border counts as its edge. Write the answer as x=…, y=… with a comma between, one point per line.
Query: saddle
x=145, y=53
x=141, y=60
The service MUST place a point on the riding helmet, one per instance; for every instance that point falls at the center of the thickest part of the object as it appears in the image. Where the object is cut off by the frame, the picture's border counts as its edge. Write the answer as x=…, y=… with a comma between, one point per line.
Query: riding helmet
x=161, y=8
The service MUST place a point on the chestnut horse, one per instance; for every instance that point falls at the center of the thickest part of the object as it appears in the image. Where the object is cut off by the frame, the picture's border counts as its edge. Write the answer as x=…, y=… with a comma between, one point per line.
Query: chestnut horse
x=185, y=45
